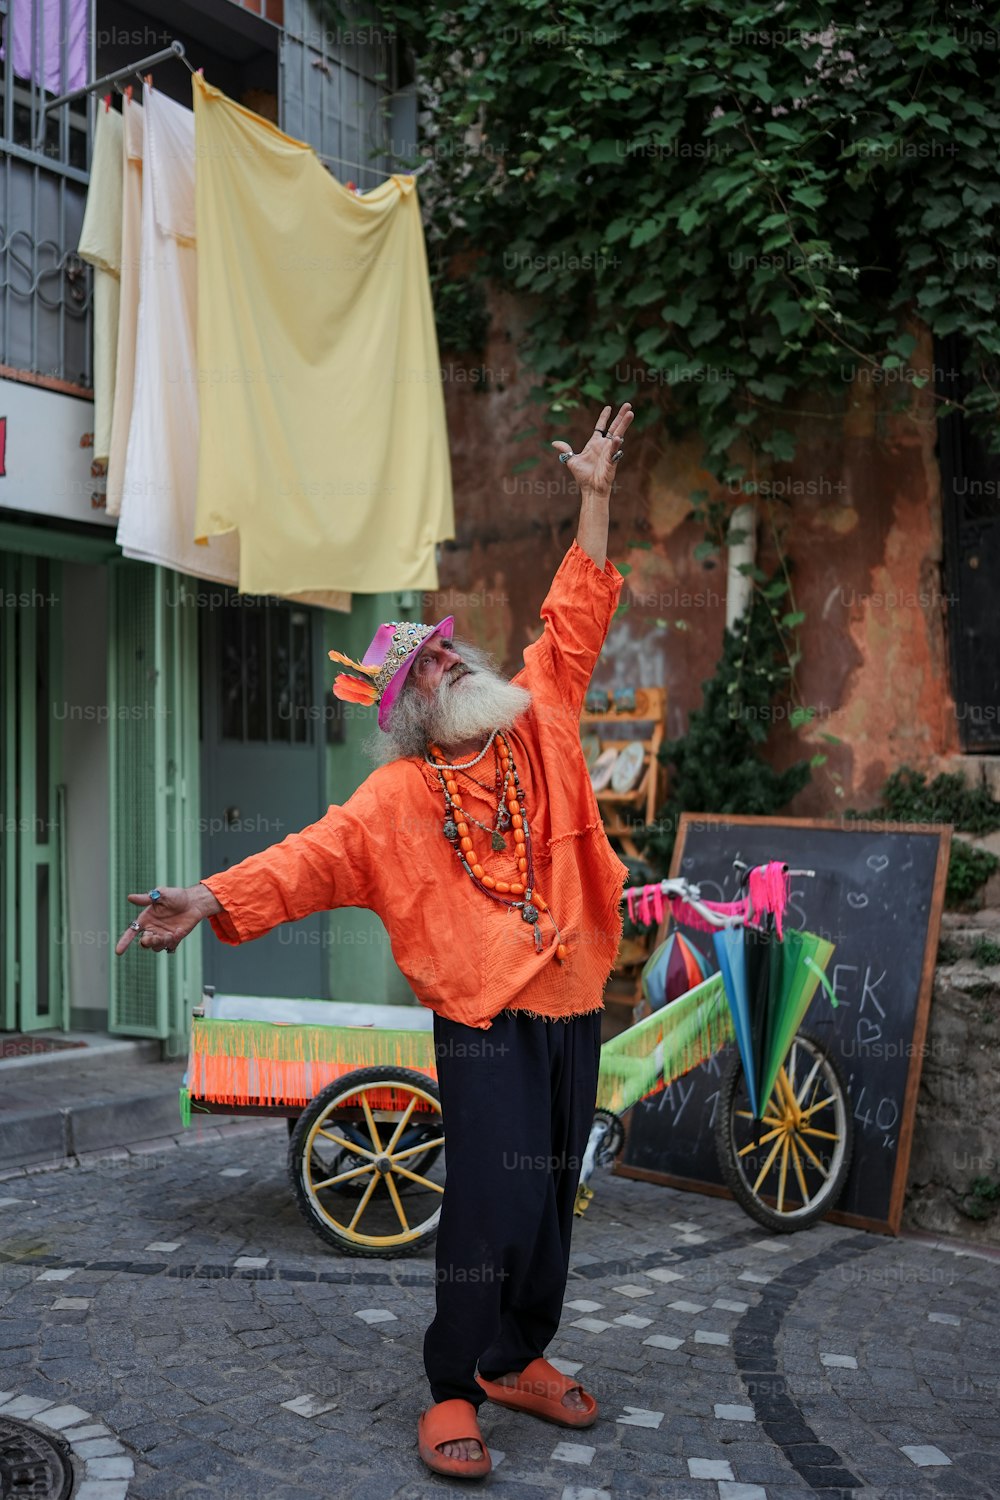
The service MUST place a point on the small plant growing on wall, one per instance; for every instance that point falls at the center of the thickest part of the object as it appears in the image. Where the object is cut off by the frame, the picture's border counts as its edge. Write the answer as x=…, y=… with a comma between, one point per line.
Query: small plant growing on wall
x=717, y=766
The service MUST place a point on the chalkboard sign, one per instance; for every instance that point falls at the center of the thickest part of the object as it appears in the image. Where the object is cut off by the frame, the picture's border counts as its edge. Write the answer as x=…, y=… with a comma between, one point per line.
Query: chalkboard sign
x=876, y=895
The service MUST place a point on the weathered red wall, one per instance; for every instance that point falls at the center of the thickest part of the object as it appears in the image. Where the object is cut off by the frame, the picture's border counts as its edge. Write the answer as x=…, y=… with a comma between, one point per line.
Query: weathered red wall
x=861, y=508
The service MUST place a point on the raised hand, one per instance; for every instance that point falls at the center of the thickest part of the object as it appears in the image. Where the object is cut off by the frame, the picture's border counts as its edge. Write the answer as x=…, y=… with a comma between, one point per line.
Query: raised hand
x=593, y=467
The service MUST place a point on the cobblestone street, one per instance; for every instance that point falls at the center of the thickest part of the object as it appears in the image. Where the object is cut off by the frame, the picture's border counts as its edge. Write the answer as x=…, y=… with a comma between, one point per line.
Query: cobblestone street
x=168, y=1313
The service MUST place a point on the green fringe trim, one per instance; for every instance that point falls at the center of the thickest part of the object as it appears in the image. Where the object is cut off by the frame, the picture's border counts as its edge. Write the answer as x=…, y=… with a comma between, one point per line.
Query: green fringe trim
x=185, y=1106
x=652, y=1054
x=356, y=1046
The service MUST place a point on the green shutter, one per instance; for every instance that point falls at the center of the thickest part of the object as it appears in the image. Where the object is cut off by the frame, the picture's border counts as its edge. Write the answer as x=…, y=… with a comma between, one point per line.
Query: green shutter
x=153, y=754
x=32, y=947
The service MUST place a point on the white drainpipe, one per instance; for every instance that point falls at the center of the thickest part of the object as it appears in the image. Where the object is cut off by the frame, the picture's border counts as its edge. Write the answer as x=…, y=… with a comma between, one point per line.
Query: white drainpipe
x=742, y=553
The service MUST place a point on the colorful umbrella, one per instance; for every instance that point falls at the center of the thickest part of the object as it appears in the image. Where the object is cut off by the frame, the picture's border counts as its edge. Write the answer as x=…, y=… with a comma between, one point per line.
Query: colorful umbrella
x=770, y=986
x=672, y=969
x=801, y=960
x=730, y=950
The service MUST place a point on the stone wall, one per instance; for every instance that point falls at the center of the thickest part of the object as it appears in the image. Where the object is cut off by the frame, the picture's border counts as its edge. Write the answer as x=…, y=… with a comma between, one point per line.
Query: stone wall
x=956, y=1138
x=862, y=505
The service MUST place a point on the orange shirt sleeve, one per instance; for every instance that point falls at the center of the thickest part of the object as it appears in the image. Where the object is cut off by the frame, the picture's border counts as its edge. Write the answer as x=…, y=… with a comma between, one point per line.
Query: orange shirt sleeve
x=328, y=864
x=577, y=615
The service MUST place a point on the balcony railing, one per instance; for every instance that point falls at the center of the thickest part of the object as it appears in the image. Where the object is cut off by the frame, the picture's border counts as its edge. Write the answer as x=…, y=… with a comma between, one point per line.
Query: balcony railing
x=45, y=300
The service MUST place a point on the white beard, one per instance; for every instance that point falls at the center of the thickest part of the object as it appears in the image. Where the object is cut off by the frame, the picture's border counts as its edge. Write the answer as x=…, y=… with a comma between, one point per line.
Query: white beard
x=471, y=706
x=465, y=709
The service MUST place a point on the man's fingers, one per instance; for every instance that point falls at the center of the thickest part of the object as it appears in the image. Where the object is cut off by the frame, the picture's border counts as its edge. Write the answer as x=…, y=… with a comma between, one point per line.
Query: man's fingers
x=561, y=446
x=124, y=941
x=139, y=898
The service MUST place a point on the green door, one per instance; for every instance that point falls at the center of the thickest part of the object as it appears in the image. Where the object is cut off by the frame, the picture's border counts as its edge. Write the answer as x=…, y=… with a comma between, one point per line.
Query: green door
x=32, y=878
x=153, y=756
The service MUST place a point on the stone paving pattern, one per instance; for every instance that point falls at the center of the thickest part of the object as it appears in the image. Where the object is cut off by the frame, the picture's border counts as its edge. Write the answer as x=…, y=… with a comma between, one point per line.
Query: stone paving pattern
x=166, y=1310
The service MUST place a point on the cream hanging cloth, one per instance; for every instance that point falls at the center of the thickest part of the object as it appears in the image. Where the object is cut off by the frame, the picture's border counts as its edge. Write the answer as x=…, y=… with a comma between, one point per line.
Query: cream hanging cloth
x=161, y=467
x=101, y=245
x=128, y=304
x=323, y=435
x=128, y=297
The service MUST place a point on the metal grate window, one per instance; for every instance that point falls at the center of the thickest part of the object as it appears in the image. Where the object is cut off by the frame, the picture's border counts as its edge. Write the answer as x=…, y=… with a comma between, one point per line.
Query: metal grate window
x=266, y=672
x=337, y=79
x=44, y=286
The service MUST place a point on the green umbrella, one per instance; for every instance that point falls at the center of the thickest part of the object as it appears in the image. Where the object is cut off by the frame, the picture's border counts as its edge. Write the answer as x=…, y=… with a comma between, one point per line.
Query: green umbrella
x=796, y=969
x=760, y=948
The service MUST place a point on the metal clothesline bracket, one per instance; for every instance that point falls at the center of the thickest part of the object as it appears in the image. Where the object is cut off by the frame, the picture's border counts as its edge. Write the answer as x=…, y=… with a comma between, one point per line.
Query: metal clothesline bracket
x=175, y=50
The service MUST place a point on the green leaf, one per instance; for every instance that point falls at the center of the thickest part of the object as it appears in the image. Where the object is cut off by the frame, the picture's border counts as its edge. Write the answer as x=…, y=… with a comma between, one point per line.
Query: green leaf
x=784, y=132
x=906, y=112
x=688, y=220
x=811, y=196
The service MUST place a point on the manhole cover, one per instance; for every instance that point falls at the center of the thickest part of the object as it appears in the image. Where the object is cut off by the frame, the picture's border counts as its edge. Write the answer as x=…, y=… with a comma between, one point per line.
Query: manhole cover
x=32, y=1466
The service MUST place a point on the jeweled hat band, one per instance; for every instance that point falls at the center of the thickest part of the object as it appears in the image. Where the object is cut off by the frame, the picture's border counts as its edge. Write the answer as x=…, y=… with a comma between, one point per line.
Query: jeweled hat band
x=386, y=664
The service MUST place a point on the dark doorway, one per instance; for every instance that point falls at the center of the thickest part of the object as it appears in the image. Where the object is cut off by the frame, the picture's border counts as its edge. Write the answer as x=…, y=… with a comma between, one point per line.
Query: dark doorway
x=262, y=767
x=970, y=497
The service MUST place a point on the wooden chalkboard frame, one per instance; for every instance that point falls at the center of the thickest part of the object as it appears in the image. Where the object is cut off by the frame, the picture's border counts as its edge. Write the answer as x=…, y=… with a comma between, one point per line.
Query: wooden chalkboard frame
x=889, y=1225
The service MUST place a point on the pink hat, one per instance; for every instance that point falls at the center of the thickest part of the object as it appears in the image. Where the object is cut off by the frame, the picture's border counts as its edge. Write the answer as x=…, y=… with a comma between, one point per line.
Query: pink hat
x=386, y=664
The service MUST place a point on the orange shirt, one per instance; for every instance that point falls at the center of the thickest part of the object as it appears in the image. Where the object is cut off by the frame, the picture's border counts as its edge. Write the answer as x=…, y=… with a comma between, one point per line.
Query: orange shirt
x=464, y=954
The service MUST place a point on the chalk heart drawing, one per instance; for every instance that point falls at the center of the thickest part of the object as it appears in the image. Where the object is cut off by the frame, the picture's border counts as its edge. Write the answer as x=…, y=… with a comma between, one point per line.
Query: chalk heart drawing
x=857, y=899
x=868, y=1031
x=877, y=862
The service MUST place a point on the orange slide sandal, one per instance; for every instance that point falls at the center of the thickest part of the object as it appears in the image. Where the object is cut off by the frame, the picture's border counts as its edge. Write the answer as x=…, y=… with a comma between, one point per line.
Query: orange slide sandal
x=452, y=1422
x=540, y=1390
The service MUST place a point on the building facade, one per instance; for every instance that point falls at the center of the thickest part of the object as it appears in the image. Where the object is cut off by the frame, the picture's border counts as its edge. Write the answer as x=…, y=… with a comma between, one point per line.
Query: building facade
x=156, y=727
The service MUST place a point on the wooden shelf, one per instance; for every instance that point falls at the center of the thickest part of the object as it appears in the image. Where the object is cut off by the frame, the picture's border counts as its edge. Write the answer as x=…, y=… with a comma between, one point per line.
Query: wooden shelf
x=624, y=1002
x=650, y=708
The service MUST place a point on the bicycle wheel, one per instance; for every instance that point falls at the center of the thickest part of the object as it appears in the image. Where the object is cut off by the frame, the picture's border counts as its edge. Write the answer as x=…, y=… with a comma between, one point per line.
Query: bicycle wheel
x=787, y=1169
x=379, y=1128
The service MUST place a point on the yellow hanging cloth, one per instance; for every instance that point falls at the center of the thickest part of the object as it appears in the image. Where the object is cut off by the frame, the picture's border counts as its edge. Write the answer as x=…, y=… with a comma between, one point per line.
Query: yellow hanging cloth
x=323, y=437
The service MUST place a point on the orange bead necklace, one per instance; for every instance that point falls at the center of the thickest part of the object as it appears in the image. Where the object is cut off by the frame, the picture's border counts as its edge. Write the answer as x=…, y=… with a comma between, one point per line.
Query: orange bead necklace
x=458, y=833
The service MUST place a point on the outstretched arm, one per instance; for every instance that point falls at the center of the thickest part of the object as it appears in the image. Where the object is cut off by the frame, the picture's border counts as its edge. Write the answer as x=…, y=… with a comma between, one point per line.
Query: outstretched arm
x=168, y=920
x=594, y=471
x=325, y=865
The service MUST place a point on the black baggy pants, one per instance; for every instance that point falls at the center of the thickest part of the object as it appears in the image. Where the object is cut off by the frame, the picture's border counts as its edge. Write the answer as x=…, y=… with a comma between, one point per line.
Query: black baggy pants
x=517, y=1104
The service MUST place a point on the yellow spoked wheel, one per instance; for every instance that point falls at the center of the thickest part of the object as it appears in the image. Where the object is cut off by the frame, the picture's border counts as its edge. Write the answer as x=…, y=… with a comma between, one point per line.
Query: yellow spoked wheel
x=366, y=1161
x=788, y=1168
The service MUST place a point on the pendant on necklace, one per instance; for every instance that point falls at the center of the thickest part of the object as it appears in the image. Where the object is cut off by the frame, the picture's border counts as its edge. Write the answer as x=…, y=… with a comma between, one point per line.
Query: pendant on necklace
x=503, y=818
x=529, y=913
x=499, y=842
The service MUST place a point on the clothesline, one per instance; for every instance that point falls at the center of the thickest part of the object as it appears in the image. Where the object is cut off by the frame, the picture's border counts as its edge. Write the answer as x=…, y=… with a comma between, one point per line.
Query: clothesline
x=168, y=54
x=379, y=171
x=175, y=50
x=203, y=417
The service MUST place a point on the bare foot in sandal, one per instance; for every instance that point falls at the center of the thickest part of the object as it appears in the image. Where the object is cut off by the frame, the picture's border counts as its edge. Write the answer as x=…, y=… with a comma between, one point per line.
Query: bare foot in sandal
x=572, y=1399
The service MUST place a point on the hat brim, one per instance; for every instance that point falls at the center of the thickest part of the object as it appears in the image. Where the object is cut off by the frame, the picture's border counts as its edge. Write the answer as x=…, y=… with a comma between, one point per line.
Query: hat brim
x=397, y=681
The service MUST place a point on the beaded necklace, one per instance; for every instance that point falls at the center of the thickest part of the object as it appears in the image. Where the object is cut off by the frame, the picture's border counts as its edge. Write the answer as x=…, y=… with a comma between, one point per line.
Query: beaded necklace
x=458, y=833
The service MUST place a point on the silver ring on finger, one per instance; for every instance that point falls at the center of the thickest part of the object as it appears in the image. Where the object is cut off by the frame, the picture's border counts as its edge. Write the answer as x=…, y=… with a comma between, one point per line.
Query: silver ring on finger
x=155, y=895
x=564, y=458
x=616, y=456
x=135, y=925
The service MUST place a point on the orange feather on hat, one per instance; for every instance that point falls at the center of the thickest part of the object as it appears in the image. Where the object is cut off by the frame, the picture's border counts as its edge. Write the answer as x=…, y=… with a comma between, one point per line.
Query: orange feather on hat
x=354, y=689
x=358, y=666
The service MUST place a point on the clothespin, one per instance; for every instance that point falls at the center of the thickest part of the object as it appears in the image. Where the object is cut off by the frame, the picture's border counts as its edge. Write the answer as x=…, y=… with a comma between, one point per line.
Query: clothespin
x=149, y=82
x=128, y=93
x=107, y=103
